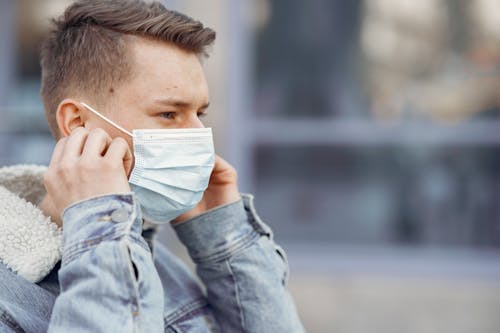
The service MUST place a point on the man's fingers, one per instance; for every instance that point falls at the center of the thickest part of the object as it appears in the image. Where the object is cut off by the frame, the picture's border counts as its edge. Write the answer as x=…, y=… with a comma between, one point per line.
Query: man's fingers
x=223, y=167
x=97, y=143
x=75, y=142
x=220, y=163
x=120, y=151
x=58, y=152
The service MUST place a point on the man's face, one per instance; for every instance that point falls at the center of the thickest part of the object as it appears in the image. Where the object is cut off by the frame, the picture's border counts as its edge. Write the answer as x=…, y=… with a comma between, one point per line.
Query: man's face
x=167, y=89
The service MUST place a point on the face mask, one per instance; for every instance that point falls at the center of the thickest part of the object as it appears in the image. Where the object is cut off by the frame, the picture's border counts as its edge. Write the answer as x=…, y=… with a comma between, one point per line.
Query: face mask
x=172, y=169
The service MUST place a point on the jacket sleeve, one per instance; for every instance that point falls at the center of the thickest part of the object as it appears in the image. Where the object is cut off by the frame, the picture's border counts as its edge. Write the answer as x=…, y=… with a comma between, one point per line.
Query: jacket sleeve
x=244, y=271
x=107, y=277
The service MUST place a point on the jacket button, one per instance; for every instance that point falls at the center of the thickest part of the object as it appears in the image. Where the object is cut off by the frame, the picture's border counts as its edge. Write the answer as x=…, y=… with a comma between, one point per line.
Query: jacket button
x=120, y=215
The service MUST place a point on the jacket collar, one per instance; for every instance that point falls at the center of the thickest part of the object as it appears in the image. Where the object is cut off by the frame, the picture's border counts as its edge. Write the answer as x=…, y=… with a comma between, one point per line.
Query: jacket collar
x=30, y=243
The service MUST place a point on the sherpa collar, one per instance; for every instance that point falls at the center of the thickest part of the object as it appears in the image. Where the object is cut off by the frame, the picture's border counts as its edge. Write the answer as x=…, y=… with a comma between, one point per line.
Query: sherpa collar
x=30, y=243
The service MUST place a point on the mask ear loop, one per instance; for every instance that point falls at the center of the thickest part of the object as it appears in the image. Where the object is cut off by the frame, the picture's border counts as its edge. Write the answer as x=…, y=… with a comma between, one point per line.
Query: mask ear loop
x=106, y=119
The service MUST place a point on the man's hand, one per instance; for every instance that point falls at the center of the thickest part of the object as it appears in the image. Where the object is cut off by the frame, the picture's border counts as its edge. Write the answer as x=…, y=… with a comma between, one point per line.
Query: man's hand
x=222, y=189
x=87, y=164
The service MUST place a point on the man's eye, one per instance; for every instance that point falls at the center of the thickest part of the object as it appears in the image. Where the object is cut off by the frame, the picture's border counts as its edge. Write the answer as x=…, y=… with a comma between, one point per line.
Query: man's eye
x=202, y=114
x=168, y=115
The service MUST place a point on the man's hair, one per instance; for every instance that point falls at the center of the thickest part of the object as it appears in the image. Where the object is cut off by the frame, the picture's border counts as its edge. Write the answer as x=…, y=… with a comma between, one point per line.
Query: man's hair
x=87, y=49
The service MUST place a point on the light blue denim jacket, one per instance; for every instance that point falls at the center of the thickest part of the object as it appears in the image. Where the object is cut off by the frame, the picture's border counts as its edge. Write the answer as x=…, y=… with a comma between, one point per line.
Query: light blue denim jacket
x=114, y=278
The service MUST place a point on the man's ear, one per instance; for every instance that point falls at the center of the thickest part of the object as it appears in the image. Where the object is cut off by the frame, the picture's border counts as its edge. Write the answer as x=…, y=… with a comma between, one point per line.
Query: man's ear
x=69, y=116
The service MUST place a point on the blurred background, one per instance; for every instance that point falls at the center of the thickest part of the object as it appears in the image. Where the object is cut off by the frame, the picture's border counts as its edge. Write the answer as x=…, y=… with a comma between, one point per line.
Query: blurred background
x=369, y=132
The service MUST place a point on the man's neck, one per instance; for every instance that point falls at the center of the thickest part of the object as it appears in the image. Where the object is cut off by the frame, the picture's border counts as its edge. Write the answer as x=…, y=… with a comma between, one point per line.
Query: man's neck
x=47, y=207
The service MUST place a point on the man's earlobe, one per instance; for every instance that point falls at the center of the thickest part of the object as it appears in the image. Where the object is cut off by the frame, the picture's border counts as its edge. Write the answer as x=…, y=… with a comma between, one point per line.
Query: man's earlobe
x=69, y=117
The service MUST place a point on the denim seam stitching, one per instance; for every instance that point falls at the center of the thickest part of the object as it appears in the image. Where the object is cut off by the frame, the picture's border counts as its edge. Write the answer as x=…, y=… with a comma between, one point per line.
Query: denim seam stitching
x=8, y=320
x=255, y=221
x=184, y=310
x=239, y=245
x=75, y=249
x=237, y=294
x=79, y=247
x=135, y=294
x=119, y=197
x=139, y=240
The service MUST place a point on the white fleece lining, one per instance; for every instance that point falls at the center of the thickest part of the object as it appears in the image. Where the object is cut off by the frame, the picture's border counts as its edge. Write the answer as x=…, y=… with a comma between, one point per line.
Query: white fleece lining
x=30, y=243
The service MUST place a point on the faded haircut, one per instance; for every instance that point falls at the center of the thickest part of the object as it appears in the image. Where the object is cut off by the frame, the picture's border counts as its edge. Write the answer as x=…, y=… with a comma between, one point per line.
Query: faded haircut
x=87, y=49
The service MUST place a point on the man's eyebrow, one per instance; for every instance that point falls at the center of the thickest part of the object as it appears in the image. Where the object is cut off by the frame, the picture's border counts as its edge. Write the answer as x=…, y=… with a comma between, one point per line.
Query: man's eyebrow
x=174, y=101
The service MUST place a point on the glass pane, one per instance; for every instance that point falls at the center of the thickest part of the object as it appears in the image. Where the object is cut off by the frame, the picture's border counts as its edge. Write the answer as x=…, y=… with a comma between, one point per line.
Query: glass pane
x=24, y=133
x=389, y=195
x=377, y=59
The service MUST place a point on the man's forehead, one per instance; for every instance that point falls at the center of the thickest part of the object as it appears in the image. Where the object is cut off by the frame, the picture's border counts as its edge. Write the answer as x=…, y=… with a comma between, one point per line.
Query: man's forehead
x=161, y=53
x=166, y=74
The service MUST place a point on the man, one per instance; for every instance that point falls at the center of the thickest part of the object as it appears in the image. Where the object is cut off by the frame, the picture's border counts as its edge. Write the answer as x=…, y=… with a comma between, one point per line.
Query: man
x=124, y=90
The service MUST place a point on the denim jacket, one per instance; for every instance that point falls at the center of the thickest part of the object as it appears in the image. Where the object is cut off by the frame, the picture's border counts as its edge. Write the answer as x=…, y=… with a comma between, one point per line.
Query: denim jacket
x=113, y=276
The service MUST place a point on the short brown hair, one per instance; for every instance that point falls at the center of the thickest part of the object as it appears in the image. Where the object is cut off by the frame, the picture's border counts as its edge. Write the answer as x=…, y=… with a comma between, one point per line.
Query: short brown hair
x=87, y=49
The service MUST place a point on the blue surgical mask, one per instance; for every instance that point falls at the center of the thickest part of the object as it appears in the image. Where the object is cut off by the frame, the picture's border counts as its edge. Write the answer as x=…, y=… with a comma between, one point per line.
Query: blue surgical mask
x=172, y=168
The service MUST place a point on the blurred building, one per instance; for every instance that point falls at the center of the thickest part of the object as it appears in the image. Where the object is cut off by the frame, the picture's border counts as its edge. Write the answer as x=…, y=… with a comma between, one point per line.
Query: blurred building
x=369, y=132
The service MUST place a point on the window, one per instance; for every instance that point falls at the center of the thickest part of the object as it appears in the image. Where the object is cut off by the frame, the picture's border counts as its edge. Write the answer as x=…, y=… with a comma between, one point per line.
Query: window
x=375, y=123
